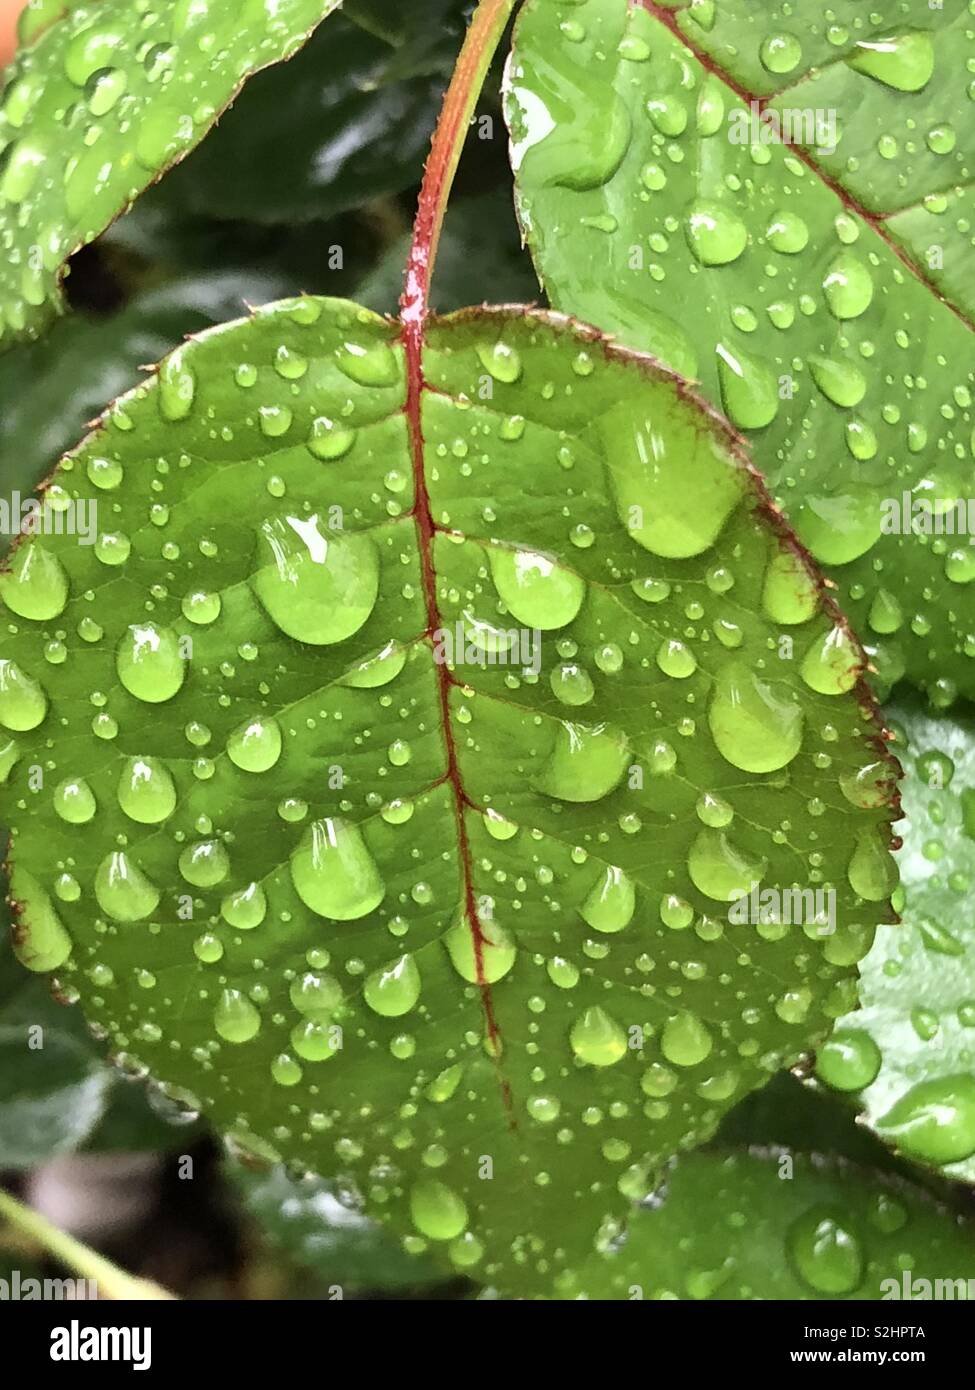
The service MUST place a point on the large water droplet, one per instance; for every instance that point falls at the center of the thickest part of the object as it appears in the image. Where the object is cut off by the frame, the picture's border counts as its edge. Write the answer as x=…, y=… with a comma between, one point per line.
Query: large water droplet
x=611, y=902
x=35, y=586
x=74, y=801
x=903, y=61
x=715, y=233
x=146, y=791
x=255, y=746
x=437, y=1211
x=235, y=1018
x=149, y=662
x=123, y=891
x=872, y=871
x=394, y=989
x=674, y=491
x=334, y=874
x=537, y=591
x=597, y=1038
x=935, y=1120
x=789, y=590
x=849, y=1060
x=825, y=1252
x=720, y=870
x=40, y=941
x=320, y=587
x=23, y=703
x=496, y=948
x=748, y=388
x=756, y=726
x=369, y=364
x=584, y=764
x=832, y=664
x=685, y=1040
x=848, y=286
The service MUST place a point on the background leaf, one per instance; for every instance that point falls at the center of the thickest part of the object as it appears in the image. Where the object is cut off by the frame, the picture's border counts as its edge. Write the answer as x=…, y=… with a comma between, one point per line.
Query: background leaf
x=280, y=835
x=737, y=1226
x=349, y=118
x=818, y=331
x=340, y=1247
x=908, y=1054
x=140, y=86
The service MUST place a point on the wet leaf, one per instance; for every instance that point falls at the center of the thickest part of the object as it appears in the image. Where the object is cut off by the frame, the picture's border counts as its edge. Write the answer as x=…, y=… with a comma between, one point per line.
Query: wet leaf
x=98, y=104
x=742, y=1226
x=647, y=182
x=908, y=1055
x=395, y=799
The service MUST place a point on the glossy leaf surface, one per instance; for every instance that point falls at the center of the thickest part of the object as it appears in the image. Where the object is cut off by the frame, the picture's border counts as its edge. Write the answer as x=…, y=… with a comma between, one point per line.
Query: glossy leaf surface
x=395, y=794
x=908, y=1055
x=99, y=102
x=762, y=195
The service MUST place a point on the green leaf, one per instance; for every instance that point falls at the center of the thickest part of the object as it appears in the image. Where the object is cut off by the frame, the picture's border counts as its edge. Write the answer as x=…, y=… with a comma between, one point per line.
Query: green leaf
x=51, y=1098
x=908, y=1054
x=99, y=105
x=282, y=796
x=778, y=1226
x=644, y=187
x=340, y=1247
x=347, y=120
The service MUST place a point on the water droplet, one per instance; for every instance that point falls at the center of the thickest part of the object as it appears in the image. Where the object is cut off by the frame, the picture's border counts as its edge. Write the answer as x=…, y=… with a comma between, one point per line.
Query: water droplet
x=847, y=286
x=754, y=727
x=597, y=1038
x=204, y=863
x=537, y=591
x=320, y=587
x=149, y=662
x=715, y=234
x=23, y=703
x=123, y=891
x=903, y=61
x=501, y=361
x=832, y=664
x=394, y=989
x=334, y=874
x=372, y=364
x=40, y=941
x=685, y=1040
x=584, y=764
x=329, y=440
x=610, y=903
x=255, y=745
x=934, y=1121
x=35, y=586
x=840, y=381
x=872, y=871
x=780, y=52
x=437, y=1211
x=246, y=908
x=146, y=791
x=496, y=948
x=235, y=1018
x=825, y=1252
x=177, y=386
x=849, y=1060
x=720, y=870
x=748, y=388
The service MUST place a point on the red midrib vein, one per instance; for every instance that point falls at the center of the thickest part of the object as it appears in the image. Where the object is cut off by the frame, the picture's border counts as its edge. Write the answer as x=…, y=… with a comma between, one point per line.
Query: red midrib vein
x=668, y=18
x=413, y=332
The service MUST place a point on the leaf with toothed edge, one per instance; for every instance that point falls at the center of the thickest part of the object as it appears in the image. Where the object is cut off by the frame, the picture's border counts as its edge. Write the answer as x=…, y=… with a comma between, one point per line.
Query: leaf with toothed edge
x=830, y=272
x=726, y=1226
x=407, y=736
x=99, y=102
x=907, y=1055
